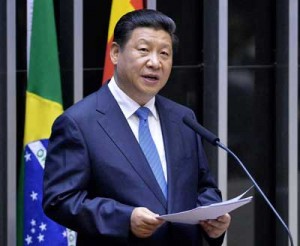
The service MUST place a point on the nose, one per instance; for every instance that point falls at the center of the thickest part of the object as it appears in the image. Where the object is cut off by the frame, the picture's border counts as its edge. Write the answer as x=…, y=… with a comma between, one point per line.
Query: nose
x=153, y=61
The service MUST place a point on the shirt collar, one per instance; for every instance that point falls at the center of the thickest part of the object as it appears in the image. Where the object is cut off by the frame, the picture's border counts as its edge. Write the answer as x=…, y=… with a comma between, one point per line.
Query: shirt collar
x=127, y=105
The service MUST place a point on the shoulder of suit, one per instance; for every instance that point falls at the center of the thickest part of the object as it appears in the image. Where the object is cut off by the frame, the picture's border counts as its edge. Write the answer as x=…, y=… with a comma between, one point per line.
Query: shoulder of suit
x=83, y=107
x=173, y=106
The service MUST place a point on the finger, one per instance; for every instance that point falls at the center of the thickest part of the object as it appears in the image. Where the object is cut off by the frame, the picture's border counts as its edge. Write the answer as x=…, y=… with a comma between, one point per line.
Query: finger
x=222, y=221
x=153, y=226
x=152, y=220
x=206, y=226
x=211, y=230
x=144, y=222
x=226, y=218
x=143, y=234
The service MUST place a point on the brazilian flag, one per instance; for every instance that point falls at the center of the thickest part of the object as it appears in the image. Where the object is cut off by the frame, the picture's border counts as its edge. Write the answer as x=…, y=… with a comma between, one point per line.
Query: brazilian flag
x=43, y=106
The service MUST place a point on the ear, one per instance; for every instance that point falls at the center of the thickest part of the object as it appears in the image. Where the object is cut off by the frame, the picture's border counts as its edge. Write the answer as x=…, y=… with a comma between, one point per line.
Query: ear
x=114, y=52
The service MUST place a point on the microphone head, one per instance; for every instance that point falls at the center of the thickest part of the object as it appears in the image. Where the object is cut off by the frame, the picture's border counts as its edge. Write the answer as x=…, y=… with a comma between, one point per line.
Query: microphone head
x=203, y=132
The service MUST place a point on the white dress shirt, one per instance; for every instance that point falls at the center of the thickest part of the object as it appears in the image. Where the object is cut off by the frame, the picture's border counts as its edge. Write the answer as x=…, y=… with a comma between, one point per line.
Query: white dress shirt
x=128, y=107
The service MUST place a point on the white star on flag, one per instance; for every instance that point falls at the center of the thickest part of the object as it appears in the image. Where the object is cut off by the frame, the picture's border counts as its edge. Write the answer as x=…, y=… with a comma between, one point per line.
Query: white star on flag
x=28, y=239
x=43, y=227
x=40, y=237
x=33, y=195
x=33, y=222
x=27, y=156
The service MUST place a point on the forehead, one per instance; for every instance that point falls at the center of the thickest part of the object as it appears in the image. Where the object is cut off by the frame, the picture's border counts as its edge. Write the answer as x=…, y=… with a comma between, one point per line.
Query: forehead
x=146, y=34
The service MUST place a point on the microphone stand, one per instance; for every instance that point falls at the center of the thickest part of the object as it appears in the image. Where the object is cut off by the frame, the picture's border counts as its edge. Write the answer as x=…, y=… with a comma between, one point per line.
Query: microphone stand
x=218, y=143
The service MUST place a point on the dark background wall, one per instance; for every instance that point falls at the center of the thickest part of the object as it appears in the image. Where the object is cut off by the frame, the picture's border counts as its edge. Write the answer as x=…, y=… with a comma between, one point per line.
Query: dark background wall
x=257, y=90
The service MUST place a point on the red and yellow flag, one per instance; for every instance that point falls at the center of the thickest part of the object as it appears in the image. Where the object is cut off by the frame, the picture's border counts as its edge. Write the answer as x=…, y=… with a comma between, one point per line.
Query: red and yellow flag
x=118, y=9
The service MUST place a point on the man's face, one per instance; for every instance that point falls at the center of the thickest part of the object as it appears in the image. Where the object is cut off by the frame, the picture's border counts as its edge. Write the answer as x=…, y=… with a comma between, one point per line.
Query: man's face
x=144, y=64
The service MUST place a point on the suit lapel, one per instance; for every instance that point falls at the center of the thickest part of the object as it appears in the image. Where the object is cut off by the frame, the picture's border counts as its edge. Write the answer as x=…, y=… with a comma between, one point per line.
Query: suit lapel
x=173, y=145
x=113, y=122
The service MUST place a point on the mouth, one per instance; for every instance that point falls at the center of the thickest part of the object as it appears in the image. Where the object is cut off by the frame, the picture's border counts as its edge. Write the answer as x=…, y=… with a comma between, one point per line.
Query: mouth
x=151, y=77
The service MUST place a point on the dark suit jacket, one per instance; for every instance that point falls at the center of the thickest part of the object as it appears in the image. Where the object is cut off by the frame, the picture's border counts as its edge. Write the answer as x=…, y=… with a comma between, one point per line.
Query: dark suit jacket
x=96, y=174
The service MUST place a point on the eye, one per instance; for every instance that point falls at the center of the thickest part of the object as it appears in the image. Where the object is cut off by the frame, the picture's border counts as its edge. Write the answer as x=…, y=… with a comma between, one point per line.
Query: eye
x=143, y=50
x=165, y=54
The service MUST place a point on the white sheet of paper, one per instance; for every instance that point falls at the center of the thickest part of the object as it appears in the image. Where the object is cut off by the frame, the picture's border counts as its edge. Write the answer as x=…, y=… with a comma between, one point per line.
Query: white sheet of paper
x=212, y=211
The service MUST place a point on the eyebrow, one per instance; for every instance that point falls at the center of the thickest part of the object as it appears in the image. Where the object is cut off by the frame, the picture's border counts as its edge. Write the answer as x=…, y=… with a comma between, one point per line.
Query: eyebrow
x=147, y=42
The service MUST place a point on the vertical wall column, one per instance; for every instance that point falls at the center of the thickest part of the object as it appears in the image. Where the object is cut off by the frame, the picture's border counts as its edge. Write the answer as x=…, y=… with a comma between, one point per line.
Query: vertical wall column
x=223, y=92
x=3, y=122
x=293, y=119
x=211, y=72
x=215, y=112
x=70, y=33
x=151, y=4
x=11, y=123
x=8, y=166
x=216, y=82
x=78, y=50
x=287, y=117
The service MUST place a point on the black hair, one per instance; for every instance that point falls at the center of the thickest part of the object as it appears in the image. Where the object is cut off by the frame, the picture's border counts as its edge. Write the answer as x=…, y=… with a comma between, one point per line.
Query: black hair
x=143, y=18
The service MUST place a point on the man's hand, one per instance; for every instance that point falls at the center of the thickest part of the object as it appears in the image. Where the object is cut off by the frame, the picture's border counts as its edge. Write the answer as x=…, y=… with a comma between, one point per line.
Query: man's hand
x=215, y=228
x=144, y=222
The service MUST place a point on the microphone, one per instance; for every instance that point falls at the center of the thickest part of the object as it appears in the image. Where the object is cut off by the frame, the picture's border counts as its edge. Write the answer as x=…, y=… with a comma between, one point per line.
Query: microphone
x=207, y=135
x=214, y=140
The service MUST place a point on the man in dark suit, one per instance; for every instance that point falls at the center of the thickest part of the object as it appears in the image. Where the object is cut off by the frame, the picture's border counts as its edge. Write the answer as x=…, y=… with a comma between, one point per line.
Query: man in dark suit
x=100, y=179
